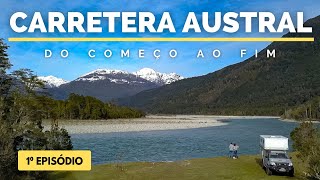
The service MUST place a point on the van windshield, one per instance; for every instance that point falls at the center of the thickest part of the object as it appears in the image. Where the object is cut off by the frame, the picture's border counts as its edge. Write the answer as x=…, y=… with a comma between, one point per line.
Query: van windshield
x=279, y=155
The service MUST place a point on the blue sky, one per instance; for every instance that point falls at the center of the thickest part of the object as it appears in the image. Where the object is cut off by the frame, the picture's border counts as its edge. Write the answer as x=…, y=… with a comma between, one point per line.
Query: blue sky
x=31, y=55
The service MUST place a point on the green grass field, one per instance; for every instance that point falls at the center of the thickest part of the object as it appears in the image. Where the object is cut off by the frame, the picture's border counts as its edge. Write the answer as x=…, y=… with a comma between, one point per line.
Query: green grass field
x=246, y=168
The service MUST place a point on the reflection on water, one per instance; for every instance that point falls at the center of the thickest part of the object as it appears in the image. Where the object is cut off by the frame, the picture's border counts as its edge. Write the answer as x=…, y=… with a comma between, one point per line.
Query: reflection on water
x=180, y=144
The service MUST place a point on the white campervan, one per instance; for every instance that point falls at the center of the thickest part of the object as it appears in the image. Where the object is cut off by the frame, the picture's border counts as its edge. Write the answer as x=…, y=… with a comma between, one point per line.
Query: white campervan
x=274, y=154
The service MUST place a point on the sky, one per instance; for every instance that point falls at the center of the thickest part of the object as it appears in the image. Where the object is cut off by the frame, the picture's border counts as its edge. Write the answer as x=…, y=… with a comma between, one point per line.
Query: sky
x=31, y=55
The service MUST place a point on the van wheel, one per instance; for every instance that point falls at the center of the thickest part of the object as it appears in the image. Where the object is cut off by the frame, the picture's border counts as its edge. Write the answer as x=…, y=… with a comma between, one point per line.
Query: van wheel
x=268, y=171
x=291, y=173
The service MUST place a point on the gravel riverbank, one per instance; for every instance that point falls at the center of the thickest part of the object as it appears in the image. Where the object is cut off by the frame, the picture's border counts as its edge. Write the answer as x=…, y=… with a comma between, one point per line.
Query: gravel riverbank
x=150, y=123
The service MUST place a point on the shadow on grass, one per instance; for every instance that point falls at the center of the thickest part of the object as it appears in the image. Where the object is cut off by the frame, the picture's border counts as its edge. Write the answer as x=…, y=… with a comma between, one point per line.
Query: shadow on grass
x=259, y=162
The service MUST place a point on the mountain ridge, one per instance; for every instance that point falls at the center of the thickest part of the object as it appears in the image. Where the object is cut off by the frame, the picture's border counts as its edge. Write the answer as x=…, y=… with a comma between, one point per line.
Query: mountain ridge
x=145, y=73
x=106, y=84
x=256, y=86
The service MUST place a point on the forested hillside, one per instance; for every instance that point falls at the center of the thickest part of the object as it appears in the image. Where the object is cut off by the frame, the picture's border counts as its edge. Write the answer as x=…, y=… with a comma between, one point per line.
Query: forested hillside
x=83, y=107
x=257, y=86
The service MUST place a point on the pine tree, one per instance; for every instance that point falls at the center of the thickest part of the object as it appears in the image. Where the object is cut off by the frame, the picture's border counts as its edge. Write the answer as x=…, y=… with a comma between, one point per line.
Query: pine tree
x=5, y=80
x=4, y=59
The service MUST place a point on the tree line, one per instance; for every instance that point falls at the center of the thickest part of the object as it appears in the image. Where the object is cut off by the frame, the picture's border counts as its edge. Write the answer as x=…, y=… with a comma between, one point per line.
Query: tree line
x=83, y=107
x=306, y=137
x=306, y=142
x=309, y=110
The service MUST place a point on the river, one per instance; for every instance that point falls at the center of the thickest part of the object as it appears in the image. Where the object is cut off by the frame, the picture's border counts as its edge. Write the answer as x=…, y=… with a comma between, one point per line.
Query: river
x=172, y=145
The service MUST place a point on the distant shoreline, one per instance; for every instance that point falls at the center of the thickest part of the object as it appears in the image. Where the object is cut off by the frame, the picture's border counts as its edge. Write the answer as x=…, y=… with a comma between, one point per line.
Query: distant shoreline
x=293, y=120
x=149, y=123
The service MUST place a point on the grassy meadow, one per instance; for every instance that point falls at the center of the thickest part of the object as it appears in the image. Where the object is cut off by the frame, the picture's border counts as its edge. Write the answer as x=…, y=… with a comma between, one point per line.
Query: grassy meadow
x=245, y=168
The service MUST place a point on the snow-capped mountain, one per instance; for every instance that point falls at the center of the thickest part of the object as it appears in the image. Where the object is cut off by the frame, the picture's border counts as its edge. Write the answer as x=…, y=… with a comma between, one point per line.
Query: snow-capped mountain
x=145, y=73
x=102, y=74
x=51, y=81
x=157, y=77
x=106, y=84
